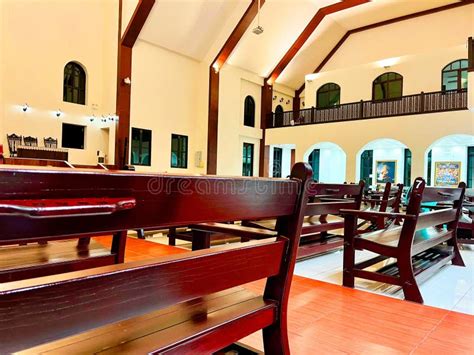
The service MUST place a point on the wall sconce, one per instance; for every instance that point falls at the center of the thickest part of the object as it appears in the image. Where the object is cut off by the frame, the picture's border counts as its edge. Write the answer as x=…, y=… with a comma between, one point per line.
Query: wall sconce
x=274, y=98
x=92, y=118
x=302, y=103
x=281, y=100
x=58, y=113
x=311, y=77
x=288, y=102
x=127, y=81
x=25, y=107
x=103, y=119
x=388, y=63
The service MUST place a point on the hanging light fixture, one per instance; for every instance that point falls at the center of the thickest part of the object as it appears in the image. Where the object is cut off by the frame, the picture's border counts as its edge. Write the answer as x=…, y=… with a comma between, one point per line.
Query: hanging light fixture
x=259, y=29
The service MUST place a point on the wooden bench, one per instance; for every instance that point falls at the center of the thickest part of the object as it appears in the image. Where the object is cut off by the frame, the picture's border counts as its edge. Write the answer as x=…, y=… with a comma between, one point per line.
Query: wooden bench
x=322, y=216
x=178, y=304
x=388, y=201
x=417, y=245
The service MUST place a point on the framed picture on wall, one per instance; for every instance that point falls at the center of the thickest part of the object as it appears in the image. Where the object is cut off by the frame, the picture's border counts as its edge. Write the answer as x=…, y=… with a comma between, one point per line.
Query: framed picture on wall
x=447, y=173
x=386, y=171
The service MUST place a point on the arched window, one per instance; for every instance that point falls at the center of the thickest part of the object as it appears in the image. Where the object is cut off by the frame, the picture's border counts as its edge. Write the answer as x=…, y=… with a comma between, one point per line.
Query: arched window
x=454, y=76
x=249, y=111
x=74, y=86
x=279, y=116
x=387, y=86
x=328, y=95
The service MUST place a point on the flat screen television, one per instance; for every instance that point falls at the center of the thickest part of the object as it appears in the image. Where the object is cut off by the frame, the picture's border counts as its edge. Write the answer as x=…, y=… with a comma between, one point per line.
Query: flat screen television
x=73, y=136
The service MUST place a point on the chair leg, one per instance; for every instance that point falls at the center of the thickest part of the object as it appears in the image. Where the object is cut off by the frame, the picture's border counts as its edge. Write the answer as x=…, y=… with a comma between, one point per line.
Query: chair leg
x=275, y=339
x=348, y=264
x=409, y=285
x=172, y=236
x=457, y=260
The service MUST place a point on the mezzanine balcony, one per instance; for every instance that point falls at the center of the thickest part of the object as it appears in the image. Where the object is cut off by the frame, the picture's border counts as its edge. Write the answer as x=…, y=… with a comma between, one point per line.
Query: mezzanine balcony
x=439, y=101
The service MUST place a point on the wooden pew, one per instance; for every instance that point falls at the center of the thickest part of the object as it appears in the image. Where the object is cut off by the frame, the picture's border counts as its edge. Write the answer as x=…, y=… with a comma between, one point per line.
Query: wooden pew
x=418, y=245
x=322, y=216
x=388, y=201
x=177, y=304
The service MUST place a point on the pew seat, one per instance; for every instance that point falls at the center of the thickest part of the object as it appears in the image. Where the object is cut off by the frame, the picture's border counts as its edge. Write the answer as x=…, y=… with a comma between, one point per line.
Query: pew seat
x=188, y=325
x=22, y=261
x=422, y=240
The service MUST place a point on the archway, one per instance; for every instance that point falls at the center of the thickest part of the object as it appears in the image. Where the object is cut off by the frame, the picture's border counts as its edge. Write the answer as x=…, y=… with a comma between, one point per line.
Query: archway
x=450, y=160
x=384, y=160
x=328, y=161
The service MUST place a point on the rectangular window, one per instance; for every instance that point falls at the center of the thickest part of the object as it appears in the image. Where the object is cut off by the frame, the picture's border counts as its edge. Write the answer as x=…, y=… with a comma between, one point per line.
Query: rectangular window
x=141, y=146
x=247, y=161
x=179, y=151
x=470, y=167
x=73, y=136
x=277, y=160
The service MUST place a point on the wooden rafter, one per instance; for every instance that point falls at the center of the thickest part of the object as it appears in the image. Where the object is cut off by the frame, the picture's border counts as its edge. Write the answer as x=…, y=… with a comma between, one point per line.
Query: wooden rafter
x=380, y=24
x=124, y=70
x=219, y=61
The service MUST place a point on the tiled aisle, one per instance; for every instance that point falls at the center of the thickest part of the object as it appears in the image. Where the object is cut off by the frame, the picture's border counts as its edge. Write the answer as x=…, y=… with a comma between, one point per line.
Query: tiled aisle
x=450, y=288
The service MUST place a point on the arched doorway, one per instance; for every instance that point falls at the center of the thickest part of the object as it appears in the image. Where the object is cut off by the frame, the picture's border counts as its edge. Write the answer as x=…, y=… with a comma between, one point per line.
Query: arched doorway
x=328, y=161
x=384, y=160
x=450, y=160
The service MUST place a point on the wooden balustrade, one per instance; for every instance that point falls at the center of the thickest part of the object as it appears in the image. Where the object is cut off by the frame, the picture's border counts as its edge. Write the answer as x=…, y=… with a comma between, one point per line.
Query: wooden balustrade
x=439, y=101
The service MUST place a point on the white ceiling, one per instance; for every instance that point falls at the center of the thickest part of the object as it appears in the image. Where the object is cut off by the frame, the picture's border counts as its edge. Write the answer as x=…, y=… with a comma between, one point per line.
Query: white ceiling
x=199, y=28
x=189, y=27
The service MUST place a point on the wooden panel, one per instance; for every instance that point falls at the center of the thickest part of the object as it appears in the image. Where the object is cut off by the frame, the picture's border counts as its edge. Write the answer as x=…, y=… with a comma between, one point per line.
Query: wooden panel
x=195, y=199
x=319, y=208
x=167, y=281
x=124, y=332
x=442, y=194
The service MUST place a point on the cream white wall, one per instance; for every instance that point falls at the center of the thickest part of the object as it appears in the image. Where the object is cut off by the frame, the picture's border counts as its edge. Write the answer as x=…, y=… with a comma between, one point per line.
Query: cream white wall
x=332, y=162
x=282, y=96
x=417, y=132
x=37, y=39
x=165, y=99
x=234, y=86
x=419, y=49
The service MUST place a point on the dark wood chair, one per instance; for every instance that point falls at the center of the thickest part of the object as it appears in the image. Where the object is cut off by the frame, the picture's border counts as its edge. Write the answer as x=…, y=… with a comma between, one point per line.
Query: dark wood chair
x=182, y=304
x=13, y=142
x=50, y=142
x=388, y=201
x=322, y=216
x=418, y=245
x=30, y=141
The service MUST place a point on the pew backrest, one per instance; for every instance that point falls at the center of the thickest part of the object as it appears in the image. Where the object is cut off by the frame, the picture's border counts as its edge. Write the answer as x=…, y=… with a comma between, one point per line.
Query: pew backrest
x=40, y=310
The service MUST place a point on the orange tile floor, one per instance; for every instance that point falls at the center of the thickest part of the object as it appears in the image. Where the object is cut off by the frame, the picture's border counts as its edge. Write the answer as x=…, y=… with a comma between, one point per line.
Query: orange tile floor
x=329, y=319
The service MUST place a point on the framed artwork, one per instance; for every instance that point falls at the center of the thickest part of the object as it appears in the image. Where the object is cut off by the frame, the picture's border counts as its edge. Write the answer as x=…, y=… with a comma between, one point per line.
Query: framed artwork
x=386, y=171
x=447, y=173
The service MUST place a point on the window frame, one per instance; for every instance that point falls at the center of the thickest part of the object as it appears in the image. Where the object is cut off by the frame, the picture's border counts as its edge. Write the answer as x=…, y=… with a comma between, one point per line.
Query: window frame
x=398, y=79
x=249, y=99
x=179, y=153
x=459, y=74
x=322, y=89
x=77, y=70
x=245, y=149
x=140, y=146
x=277, y=151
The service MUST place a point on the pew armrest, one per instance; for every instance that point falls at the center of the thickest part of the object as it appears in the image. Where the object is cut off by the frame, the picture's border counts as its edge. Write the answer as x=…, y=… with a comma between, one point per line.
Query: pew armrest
x=74, y=207
x=372, y=214
x=235, y=229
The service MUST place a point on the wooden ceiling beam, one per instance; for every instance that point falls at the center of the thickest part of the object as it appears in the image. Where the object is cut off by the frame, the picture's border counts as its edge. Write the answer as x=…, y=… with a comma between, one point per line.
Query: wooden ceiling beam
x=308, y=31
x=124, y=70
x=213, y=104
x=380, y=24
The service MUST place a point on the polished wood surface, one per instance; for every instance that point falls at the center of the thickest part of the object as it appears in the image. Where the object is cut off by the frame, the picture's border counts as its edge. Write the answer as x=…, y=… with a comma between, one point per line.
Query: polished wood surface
x=338, y=320
x=420, y=233
x=95, y=298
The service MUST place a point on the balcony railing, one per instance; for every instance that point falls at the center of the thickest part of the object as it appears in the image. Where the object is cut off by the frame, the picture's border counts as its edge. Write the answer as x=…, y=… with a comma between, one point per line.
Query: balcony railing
x=438, y=101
